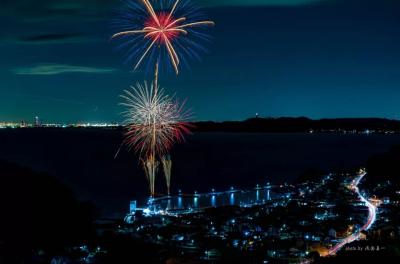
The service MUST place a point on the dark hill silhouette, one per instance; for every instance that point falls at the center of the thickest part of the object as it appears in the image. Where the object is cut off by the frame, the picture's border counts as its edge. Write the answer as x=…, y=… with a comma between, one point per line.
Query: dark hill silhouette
x=301, y=124
x=38, y=213
x=384, y=167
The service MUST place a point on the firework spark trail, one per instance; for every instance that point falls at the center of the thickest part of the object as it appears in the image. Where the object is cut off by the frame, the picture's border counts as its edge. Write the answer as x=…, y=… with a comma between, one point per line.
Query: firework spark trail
x=167, y=168
x=164, y=30
x=150, y=166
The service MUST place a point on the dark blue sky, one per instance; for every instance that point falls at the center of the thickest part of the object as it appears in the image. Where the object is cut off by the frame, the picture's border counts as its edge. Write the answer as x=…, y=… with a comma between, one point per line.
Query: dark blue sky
x=328, y=58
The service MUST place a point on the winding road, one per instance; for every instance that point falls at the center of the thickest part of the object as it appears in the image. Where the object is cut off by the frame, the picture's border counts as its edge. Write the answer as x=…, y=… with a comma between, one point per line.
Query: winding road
x=366, y=226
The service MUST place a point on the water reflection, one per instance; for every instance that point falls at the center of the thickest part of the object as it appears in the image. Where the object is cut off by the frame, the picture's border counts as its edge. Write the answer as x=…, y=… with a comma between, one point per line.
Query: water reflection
x=180, y=206
x=213, y=201
x=232, y=199
x=258, y=195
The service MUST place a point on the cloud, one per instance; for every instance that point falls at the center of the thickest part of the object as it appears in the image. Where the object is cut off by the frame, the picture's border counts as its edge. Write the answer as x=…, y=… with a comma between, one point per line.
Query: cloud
x=49, y=39
x=45, y=9
x=259, y=2
x=55, y=69
x=38, y=10
x=42, y=9
x=54, y=38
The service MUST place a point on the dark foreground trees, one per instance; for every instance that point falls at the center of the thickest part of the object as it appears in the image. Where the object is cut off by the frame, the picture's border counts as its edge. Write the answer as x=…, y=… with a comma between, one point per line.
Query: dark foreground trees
x=39, y=215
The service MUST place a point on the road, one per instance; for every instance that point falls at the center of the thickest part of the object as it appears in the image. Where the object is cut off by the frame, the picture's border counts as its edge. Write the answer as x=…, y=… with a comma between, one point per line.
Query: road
x=370, y=221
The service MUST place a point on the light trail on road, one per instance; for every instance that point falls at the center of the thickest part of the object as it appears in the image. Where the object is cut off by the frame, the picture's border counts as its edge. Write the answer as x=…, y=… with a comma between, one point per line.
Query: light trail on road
x=366, y=226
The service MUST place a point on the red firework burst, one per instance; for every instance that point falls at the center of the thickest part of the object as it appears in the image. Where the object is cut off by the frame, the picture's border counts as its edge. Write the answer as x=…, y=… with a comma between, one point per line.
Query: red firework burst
x=163, y=28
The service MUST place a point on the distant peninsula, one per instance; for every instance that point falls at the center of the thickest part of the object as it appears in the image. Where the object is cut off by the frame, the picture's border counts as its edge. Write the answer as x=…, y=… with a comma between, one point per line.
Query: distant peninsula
x=302, y=124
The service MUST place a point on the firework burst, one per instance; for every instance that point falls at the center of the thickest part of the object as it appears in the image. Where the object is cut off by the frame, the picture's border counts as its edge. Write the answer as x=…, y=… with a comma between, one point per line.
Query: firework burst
x=161, y=30
x=154, y=121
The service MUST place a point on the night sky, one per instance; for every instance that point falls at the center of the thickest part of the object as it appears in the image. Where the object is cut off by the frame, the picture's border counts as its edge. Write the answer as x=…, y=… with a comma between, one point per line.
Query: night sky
x=319, y=59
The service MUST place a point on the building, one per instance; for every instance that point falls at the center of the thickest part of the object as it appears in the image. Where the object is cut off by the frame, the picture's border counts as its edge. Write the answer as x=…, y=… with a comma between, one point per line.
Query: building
x=38, y=123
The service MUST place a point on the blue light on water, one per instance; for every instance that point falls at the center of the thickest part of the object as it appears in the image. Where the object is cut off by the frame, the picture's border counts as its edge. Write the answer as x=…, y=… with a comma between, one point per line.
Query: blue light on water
x=232, y=199
x=180, y=202
x=213, y=201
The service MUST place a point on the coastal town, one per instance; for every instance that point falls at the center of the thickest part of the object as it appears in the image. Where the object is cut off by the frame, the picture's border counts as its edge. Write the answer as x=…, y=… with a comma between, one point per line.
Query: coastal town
x=308, y=222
